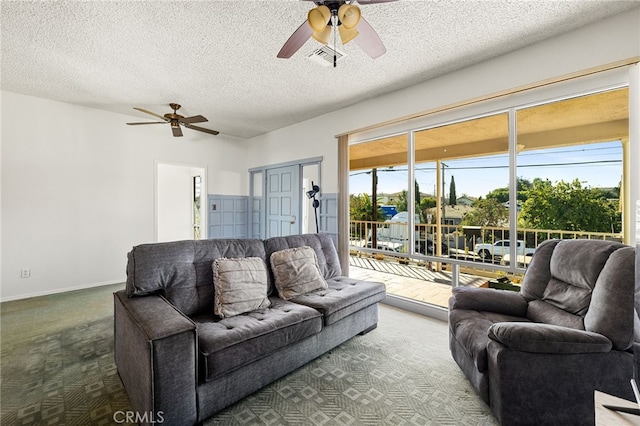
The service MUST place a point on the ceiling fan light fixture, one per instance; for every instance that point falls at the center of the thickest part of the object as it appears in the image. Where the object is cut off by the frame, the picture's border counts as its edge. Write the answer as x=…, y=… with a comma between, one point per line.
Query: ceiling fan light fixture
x=346, y=18
x=349, y=16
x=324, y=36
x=346, y=34
x=318, y=18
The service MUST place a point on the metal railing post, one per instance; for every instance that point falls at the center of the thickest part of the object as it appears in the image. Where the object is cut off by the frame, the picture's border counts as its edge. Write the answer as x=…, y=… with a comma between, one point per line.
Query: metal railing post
x=455, y=275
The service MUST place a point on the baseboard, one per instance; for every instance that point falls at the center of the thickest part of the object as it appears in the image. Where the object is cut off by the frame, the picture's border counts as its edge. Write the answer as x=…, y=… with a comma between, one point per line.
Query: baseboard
x=61, y=290
x=421, y=308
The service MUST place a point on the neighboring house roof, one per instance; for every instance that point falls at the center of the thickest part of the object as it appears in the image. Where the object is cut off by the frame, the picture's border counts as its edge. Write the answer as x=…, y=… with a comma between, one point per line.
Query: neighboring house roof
x=466, y=201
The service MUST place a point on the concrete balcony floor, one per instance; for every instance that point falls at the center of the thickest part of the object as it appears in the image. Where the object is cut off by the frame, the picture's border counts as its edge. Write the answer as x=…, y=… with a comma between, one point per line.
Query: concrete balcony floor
x=411, y=281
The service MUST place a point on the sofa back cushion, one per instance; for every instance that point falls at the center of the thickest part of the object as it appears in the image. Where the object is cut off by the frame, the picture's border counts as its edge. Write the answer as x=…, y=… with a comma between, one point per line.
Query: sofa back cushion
x=322, y=244
x=582, y=284
x=182, y=270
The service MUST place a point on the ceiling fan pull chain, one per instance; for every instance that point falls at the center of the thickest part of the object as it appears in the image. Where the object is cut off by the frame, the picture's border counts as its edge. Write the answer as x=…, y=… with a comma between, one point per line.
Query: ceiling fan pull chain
x=334, y=22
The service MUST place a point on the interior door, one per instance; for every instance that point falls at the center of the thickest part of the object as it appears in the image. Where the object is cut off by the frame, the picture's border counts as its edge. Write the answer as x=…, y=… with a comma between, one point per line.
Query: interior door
x=175, y=209
x=283, y=201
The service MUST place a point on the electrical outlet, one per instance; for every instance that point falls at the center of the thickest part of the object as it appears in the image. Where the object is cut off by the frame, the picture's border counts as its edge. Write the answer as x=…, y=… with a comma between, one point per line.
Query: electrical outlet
x=25, y=273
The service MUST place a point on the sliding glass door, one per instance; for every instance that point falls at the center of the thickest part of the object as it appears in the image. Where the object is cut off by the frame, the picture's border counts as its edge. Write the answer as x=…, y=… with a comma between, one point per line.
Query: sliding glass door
x=482, y=192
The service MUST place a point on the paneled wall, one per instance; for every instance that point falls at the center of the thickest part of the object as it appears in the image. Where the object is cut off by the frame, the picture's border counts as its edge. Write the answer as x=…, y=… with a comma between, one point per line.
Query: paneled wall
x=228, y=216
x=328, y=215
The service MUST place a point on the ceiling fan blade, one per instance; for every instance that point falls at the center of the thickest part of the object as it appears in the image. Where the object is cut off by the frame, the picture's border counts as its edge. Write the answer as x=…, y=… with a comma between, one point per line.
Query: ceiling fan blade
x=150, y=113
x=147, y=122
x=194, y=119
x=177, y=131
x=368, y=40
x=201, y=129
x=297, y=39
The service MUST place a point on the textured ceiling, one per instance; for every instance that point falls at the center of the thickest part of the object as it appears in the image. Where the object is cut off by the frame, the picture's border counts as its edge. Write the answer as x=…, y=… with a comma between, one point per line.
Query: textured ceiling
x=218, y=58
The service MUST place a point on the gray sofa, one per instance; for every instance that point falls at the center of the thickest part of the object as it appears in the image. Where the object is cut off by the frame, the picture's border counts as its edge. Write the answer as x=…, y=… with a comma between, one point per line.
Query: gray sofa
x=178, y=360
x=536, y=356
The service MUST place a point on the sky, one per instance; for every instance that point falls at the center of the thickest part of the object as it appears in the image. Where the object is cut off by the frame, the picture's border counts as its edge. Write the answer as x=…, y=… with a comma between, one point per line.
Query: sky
x=595, y=165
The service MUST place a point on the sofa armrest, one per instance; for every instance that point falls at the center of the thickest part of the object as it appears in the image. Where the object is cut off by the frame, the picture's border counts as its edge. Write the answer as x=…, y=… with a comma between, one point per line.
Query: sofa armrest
x=488, y=299
x=547, y=338
x=156, y=357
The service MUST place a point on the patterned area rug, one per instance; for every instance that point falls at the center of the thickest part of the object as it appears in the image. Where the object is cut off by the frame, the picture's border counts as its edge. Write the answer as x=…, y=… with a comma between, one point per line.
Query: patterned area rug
x=66, y=377
x=399, y=374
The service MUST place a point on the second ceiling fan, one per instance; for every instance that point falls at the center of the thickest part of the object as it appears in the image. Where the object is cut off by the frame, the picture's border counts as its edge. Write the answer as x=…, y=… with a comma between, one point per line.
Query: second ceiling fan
x=345, y=17
x=176, y=120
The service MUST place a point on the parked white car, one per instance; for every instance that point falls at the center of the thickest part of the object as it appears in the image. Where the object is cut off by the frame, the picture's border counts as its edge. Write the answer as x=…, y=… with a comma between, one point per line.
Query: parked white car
x=500, y=248
x=523, y=260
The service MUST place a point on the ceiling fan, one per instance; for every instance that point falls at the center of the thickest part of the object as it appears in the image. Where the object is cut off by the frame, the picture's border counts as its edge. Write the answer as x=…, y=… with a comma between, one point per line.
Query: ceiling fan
x=343, y=15
x=175, y=120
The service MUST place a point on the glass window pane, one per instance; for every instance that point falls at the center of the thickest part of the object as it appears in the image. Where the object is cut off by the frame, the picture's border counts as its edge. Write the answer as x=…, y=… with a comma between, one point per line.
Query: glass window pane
x=460, y=166
x=378, y=193
x=570, y=168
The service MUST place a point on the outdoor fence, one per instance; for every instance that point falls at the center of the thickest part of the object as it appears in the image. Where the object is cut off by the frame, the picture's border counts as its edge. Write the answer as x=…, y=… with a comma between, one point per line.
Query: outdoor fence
x=452, y=241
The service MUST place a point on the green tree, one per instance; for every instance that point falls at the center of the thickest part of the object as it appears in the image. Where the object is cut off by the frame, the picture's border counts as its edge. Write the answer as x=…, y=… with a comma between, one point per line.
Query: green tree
x=426, y=204
x=569, y=206
x=486, y=212
x=401, y=201
x=361, y=208
x=422, y=205
x=502, y=194
x=453, y=198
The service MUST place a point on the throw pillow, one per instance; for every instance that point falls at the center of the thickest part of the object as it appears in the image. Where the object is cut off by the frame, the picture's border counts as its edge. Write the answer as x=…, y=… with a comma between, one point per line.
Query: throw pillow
x=296, y=272
x=240, y=286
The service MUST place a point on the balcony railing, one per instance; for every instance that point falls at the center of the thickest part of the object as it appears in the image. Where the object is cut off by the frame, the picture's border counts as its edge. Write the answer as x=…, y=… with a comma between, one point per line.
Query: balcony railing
x=446, y=250
x=451, y=241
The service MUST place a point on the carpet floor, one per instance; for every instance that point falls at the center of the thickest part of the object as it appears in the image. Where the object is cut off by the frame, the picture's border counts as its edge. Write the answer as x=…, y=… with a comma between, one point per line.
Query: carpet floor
x=57, y=368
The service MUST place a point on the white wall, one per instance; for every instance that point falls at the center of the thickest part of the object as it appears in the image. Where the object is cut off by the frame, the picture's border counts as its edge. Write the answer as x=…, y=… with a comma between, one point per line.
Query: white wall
x=78, y=190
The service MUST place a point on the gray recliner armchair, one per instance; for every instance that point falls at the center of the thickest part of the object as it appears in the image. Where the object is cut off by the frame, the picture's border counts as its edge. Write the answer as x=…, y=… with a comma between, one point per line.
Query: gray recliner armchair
x=536, y=356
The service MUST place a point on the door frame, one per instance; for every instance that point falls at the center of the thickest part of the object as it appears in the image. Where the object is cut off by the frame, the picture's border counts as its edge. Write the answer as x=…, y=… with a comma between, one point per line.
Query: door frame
x=263, y=190
x=157, y=189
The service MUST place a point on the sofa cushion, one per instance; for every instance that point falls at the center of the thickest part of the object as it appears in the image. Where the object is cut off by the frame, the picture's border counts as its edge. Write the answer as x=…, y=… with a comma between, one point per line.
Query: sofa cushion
x=295, y=272
x=322, y=244
x=342, y=297
x=181, y=270
x=240, y=285
x=230, y=343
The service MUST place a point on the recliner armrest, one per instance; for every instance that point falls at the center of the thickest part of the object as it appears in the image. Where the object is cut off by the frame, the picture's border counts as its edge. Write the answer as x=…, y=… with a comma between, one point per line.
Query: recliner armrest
x=488, y=299
x=547, y=338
